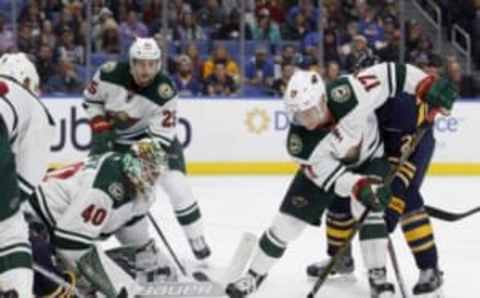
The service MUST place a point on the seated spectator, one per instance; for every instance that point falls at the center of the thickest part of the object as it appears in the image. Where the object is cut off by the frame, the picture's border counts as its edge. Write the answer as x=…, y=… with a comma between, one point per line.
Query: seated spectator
x=280, y=84
x=333, y=71
x=48, y=35
x=45, y=63
x=7, y=38
x=289, y=55
x=330, y=46
x=187, y=84
x=25, y=40
x=220, y=83
x=274, y=7
x=65, y=80
x=152, y=15
x=110, y=42
x=369, y=26
x=306, y=8
x=188, y=29
x=390, y=52
x=259, y=71
x=220, y=55
x=360, y=48
x=265, y=28
x=211, y=15
x=231, y=28
x=68, y=51
x=132, y=28
x=98, y=26
x=197, y=62
x=297, y=30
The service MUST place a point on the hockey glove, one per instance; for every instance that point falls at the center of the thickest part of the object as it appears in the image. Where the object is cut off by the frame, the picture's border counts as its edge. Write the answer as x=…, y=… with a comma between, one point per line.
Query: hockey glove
x=439, y=94
x=103, y=135
x=63, y=292
x=372, y=193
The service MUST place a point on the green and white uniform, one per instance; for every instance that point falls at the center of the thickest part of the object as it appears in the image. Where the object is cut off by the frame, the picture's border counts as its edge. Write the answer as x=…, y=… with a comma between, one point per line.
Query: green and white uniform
x=26, y=134
x=146, y=112
x=95, y=202
x=333, y=159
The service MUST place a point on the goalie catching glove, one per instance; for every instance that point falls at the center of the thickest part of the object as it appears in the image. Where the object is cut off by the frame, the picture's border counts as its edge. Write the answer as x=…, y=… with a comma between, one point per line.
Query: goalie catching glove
x=372, y=193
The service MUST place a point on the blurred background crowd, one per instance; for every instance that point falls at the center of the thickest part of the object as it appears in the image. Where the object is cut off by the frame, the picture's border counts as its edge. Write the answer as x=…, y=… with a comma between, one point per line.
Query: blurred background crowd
x=243, y=47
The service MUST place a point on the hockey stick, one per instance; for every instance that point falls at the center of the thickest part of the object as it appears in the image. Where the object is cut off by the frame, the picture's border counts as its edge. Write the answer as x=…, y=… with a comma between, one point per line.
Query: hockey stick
x=358, y=224
x=55, y=278
x=449, y=216
x=167, y=245
x=396, y=269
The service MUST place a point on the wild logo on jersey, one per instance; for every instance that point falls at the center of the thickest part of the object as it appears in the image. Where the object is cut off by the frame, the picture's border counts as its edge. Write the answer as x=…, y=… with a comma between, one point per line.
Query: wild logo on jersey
x=301, y=142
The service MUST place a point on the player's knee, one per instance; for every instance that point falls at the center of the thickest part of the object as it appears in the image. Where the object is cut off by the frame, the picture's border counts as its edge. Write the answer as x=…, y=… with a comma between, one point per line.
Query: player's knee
x=287, y=228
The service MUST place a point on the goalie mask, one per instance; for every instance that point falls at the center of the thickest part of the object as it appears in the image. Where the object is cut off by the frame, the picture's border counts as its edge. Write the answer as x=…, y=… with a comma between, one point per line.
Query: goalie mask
x=305, y=99
x=21, y=69
x=142, y=165
x=144, y=56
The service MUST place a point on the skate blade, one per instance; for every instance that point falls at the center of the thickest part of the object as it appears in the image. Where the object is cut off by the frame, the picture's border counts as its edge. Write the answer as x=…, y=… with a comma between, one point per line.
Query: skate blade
x=436, y=294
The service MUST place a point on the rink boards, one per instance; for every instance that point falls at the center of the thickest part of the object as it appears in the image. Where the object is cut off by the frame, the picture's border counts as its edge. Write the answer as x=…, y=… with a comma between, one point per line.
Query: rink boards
x=247, y=136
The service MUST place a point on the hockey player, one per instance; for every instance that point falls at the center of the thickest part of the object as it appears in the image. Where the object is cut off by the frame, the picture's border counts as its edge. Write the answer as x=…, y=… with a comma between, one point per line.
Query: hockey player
x=26, y=133
x=109, y=194
x=398, y=120
x=128, y=101
x=334, y=138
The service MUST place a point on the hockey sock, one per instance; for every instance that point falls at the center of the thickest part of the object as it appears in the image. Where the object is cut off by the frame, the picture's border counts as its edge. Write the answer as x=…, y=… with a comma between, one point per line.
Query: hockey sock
x=418, y=232
x=373, y=240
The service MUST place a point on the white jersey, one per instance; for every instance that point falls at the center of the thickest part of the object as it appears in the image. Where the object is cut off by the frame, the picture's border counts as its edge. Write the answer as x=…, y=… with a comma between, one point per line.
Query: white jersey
x=134, y=112
x=93, y=204
x=328, y=154
x=31, y=130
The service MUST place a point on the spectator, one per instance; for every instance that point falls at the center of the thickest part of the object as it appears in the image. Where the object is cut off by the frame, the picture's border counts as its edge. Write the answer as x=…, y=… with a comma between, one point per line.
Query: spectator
x=231, y=28
x=220, y=55
x=99, y=21
x=197, y=63
x=277, y=12
x=65, y=80
x=25, y=41
x=280, y=84
x=297, y=30
x=68, y=51
x=265, y=28
x=7, y=38
x=48, y=35
x=330, y=46
x=391, y=51
x=369, y=27
x=359, y=48
x=220, y=83
x=187, y=84
x=306, y=8
x=176, y=10
x=188, y=29
x=110, y=42
x=333, y=71
x=289, y=55
x=45, y=63
x=259, y=71
x=212, y=15
x=152, y=15
x=132, y=28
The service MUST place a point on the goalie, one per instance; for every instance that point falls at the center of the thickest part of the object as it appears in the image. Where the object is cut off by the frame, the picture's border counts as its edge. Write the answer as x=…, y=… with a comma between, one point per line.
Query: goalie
x=108, y=194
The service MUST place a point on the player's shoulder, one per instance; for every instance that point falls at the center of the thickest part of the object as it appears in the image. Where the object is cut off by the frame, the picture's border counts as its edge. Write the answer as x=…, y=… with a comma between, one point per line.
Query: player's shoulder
x=111, y=180
x=115, y=72
x=302, y=142
x=341, y=97
x=161, y=90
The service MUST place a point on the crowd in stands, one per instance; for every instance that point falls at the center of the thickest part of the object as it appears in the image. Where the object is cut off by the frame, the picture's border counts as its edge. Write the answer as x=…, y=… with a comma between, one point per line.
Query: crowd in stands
x=201, y=40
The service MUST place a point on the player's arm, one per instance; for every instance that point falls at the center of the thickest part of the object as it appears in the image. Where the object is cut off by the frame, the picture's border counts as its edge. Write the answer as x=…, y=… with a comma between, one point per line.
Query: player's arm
x=9, y=190
x=94, y=104
x=76, y=231
x=162, y=126
x=135, y=232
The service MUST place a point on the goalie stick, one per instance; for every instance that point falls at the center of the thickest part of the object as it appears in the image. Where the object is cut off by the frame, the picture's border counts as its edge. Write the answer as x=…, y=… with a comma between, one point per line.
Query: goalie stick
x=358, y=224
x=449, y=216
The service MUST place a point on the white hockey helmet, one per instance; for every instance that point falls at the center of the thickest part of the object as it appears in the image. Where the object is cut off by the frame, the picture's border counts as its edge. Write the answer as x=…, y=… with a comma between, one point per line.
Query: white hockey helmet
x=144, y=49
x=18, y=67
x=304, y=91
